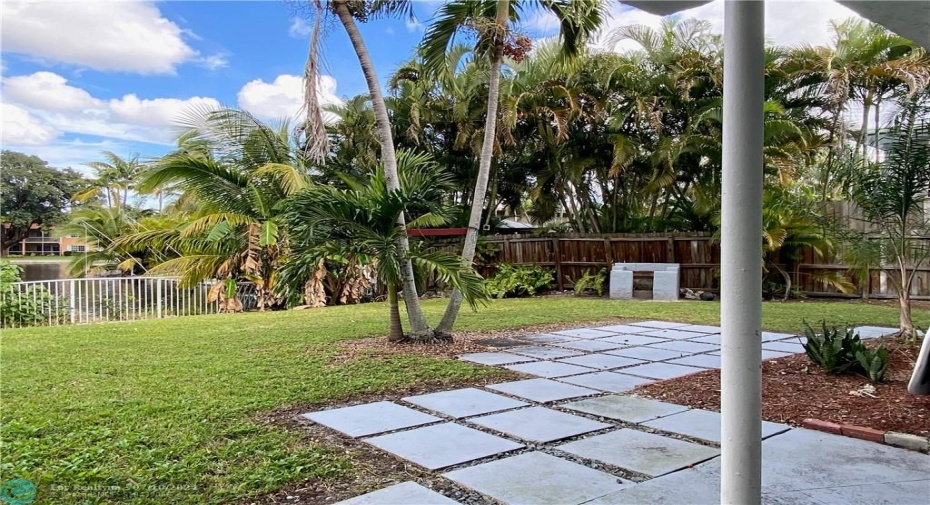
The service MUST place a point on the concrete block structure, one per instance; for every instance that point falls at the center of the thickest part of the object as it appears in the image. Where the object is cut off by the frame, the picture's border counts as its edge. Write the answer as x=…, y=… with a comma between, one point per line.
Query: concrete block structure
x=664, y=280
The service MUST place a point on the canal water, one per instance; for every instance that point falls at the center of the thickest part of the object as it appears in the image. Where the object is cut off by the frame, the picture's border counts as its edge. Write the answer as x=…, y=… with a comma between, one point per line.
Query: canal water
x=43, y=270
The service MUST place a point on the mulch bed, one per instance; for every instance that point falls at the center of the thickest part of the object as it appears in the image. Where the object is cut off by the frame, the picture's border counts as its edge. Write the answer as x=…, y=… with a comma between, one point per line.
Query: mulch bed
x=793, y=389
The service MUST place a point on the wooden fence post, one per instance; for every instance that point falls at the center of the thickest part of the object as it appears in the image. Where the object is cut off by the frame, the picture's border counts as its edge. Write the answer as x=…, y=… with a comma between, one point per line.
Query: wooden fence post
x=558, y=263
x=608, y=253
x=670, y=250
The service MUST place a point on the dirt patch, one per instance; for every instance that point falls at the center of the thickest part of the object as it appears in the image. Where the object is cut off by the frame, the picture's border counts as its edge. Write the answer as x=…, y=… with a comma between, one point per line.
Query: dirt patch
x=464, y=342
x=793, y=389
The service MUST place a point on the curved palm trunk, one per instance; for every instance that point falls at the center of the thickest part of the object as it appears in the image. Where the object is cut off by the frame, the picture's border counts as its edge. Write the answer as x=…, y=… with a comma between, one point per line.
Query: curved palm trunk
x=418, y=325
x=396, y=328
x=484, y=167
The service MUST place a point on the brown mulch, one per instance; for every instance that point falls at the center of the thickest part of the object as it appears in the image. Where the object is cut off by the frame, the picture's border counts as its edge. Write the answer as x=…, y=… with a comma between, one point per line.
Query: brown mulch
x=794, y=389
x=464, y=342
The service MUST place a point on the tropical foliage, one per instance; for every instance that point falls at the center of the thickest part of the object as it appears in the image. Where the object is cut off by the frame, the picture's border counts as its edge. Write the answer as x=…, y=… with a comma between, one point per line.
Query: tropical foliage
x=479, y=125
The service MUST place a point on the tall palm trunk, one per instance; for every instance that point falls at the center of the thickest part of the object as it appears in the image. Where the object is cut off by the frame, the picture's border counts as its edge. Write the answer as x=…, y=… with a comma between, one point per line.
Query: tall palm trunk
x=484, y=164
x=419, y=328
x=864, y=131
x=396, y=328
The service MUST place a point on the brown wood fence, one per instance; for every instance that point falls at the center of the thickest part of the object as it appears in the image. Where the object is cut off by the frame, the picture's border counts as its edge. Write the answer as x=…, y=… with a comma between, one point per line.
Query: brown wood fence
x=571, y=255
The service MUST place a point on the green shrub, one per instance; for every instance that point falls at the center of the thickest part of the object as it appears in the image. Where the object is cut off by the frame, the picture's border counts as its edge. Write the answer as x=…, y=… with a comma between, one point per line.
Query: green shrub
x=874, y=362
x=596, y=282
x=27, y=306
x=834, y=350
x=511, y=281
x=838, y=350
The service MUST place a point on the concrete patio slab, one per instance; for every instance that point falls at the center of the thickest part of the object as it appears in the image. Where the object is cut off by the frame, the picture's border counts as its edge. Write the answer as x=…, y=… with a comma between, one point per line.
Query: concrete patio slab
x=370, y=418
x=464, y=402
x=548, y=369
x=700, y=328
x=640, y=452
x=659, y=324
x=633, y=340
x=586, y=333
x=589, y=345
x=661, y=371
x=704, y=425
x=405, y=492
x=536, y=478
x=788, y=347
x=548, y=338
x=494, y=358
x=890, y=493
x=647, y=353
x=442, y=445
x=698, y=360
x=673, y=334
x=601, y=361
x=539, y=424
x=543, y=352
x=768, y=336
x=708, y=339
x=691, y=487
x=631, y=409
x=622, y=328
x=866, y=332
x=685, y=346
x=827, y=461
x=612, y=382
x=543, y=390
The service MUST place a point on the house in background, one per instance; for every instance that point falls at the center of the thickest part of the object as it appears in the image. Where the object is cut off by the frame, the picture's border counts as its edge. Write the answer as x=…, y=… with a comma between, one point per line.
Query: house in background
x=40, y=242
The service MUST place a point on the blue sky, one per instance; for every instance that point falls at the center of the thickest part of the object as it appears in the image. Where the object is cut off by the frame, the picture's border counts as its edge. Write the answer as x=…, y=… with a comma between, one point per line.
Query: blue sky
x=79, y=77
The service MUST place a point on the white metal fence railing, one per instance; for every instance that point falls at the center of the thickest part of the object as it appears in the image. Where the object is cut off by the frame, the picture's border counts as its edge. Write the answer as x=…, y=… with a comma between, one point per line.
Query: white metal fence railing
x=76, y=301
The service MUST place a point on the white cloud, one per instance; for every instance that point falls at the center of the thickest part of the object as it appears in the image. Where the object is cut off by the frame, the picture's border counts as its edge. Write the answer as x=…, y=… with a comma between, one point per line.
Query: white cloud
x=43, y=103
x=299, y=28
x=283, y=97
x=48, y=91
x=120, y=36
x=413, y=25
x=213, y=62
x=787, y=22
x=156, y=111
x=21, y=128
x=77, y=153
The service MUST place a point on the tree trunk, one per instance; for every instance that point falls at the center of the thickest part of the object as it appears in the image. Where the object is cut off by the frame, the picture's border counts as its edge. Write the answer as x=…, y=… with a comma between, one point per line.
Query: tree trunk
x=864, y=131
x=396, y=328
x=484, y=165
x=904, y=300
x=418, y=325
x=877, y=126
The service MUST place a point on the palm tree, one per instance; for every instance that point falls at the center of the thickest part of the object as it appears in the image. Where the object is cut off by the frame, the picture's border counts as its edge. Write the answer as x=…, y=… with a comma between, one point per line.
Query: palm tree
x=893, y=197
x=361, y=224
x=237, y=174
x=347, y=12
x=115, y=177
x=490, y=19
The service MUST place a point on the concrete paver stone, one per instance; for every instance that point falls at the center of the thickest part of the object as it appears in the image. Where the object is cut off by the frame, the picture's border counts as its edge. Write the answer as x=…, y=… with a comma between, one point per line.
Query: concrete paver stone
x=403, y=493
x=628, y=408
x=464, y=402
x=370, y=418
x=536, y=478
x=542, y=390
x=442, y=445
x=539, y=424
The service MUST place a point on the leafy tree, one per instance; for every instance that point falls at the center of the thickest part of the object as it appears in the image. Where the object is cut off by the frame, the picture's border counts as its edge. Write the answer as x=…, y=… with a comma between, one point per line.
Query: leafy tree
x=115, y=177
x=894, y=196
x=360, y=224
x=348, y=12
x=489, y=21
x=236, y=169
x=32, y=194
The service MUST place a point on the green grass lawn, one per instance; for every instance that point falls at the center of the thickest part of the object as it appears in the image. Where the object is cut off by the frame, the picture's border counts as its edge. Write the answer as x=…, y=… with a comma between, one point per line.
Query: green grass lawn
x=165, y=411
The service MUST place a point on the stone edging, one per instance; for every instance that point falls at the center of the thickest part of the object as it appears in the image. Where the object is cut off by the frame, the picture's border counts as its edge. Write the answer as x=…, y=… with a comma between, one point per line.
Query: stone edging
x=903, y=440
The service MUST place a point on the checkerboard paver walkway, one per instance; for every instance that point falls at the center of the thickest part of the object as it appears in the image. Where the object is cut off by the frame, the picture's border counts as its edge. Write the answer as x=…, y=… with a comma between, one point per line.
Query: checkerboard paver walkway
x=576, y=435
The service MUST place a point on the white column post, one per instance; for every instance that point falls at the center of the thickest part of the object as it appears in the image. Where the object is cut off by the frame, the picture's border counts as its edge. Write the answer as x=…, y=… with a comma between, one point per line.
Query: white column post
x=72, y=300
x=741, y=253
